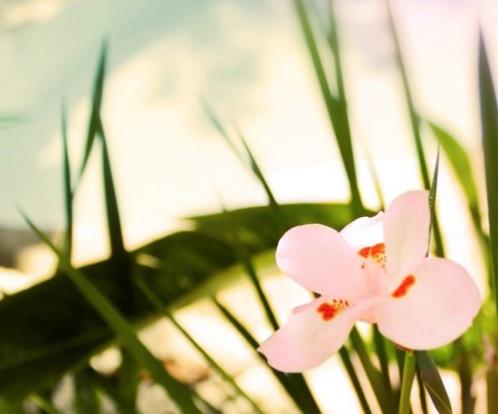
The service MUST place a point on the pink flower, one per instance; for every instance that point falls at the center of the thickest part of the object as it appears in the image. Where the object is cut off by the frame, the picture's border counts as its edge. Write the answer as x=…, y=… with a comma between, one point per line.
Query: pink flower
x=374, y=270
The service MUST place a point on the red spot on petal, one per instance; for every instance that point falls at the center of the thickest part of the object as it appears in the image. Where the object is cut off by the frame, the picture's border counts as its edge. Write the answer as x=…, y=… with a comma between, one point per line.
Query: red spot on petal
x=403, y=288
x=365, y=251
x=328, y=310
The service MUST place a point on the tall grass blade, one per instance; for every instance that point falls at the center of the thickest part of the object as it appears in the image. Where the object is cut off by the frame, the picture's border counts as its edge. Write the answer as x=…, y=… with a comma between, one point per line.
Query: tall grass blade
x=177, y=391
x=335, y=107
x=294, y=384
x=251, y=272
x=248, y=160
x=414, y=122
x=489, y=126
x=86, y=399
x=406, y=384
x=94, y=121
x=68, y=192
x=382, y=393
x=348, y=365
x=432, y=382
x=155, y=300
x=421, y=393
x=111, y=201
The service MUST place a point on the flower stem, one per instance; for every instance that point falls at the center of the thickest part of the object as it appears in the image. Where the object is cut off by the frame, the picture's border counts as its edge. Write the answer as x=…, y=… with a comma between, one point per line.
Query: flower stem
x=406, y=383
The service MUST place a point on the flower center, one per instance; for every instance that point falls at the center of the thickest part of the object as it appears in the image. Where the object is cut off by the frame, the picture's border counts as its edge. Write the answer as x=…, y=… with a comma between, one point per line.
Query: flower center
x=404, y=287
x=328, y=310
x=377, y=253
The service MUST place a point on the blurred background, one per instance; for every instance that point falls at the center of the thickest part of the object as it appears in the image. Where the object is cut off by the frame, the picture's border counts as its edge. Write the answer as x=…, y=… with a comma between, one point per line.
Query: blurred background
x=248, y=60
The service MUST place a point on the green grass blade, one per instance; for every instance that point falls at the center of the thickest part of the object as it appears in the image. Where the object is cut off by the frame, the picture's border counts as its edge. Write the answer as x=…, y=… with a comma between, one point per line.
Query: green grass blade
x=334, y=43
x=336, y=109
x=379, y=388
x=489, y=127
x=68, y=193
x=44, y=404
x=86, y=399
x=111, y=201
x=459, y=162
x=251, y=272
x=432, y=382
x=406, y=384
x=432, y=197
x=380, y=347
x=421, y=393
x=414, y=122
x=462, y=168
x=294, y=384
x=154, y=299
x=248, y=160
x=177, y=391
x=94, y=121
x=348, y=365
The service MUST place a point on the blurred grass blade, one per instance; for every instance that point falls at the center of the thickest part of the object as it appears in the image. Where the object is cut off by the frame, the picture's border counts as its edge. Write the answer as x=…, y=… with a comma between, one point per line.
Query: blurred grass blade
x=44, y=404
x=154, y=299
x=414, y=122
x=259, y=175
x=128, y=381
x=406, y=384
x=348, y=365
x=248, y=160
x=462, y=168
x=414, y=118
x=68, y=192
x=177, y=391
x=459, y=162
x=294, y=384
x=336, y=109
x=333, y=40
x=491, y=387
x=86, y=398
x=432, y=382
x=94, y=121
x=489, y=127
x=251, y=271
x=382, y=393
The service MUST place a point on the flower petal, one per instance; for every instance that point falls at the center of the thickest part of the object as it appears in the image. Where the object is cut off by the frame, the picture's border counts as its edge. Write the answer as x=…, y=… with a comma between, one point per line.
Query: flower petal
x=308, y=338
x=364, y=231
x=406, y=232
x=431, y=307
x=319, y=259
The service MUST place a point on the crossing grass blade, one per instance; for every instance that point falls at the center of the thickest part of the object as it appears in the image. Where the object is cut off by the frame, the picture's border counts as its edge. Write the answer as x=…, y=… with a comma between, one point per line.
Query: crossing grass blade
x=294, y=384
x=177, y=391
x=336, y=108
x=154, y=299
x=489, y=129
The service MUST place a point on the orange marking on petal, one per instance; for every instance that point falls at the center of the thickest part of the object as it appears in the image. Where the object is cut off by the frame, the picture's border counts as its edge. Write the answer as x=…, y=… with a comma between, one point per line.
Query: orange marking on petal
x=328, y=310
x=377, y=253
x=403, y=288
